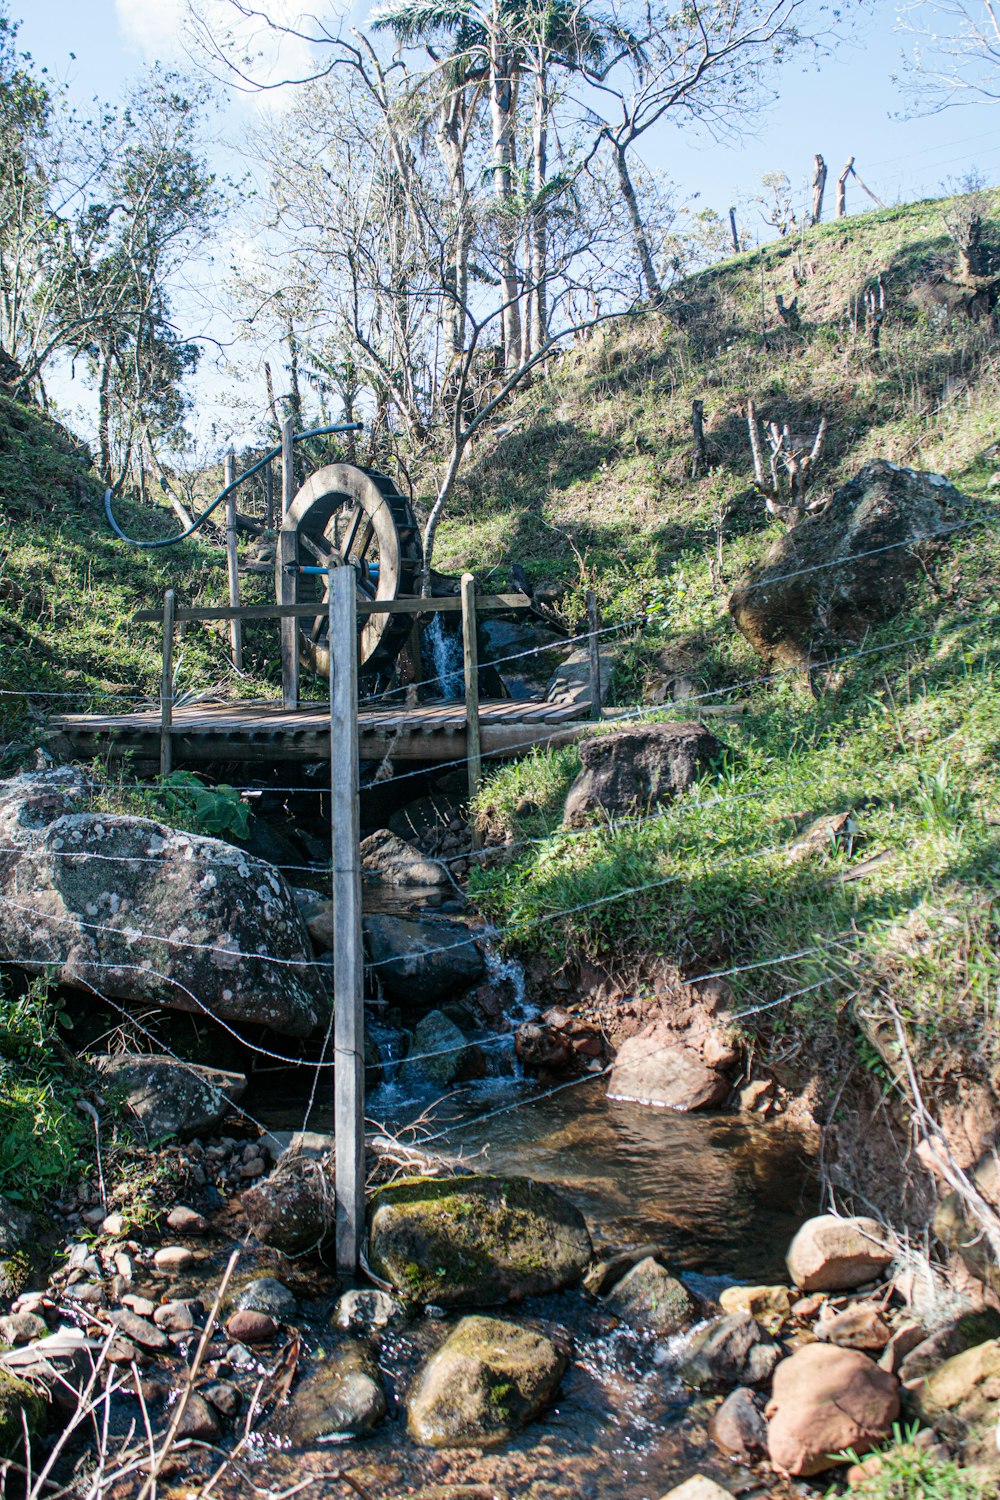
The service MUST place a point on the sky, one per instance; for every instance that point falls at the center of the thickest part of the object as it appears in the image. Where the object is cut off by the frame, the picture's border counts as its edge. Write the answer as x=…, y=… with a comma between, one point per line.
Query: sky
x=847, y=106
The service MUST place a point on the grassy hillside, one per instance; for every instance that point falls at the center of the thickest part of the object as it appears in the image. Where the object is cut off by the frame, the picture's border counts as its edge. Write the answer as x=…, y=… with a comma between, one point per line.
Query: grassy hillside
x=899, y=910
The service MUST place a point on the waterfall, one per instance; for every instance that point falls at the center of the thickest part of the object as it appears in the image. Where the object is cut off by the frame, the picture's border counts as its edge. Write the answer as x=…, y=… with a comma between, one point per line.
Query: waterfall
x=446, y=654
x=507, y=971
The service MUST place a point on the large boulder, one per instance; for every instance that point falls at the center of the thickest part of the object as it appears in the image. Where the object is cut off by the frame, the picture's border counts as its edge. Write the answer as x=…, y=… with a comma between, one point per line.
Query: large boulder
x=457, y=1241
x=824, y=1400
x=420, y=963
x=835, y=574
x=637, y=768
x=342, y=1398
x=959, y=1399
x=830, y=1254
x=487, y=1380
x=293, y=1209
x=133, y=909
x=167, y=1097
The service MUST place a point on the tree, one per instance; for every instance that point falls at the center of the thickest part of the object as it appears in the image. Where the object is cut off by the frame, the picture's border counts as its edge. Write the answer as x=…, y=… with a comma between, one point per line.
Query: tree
x=706, y=63
x=955, y=52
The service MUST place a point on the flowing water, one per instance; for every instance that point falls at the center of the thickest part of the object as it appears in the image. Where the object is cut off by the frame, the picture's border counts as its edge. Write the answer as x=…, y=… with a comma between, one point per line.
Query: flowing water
x=722, y=1194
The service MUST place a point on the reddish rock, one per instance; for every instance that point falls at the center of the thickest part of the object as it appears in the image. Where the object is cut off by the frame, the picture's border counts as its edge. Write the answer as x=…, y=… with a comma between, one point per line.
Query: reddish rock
x=184, y=1220
x=830, y=1254
x=859, y=1327
x=826, y=1399
x=738, y=1427
x=200, y=1420
x=248, y=1327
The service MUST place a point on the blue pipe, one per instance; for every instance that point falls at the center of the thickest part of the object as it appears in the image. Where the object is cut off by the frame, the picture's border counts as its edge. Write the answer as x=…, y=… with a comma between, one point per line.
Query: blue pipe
x=170, y=541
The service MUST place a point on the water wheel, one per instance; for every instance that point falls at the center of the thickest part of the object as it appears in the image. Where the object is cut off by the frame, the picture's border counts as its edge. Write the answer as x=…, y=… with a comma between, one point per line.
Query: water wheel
x=361, y=517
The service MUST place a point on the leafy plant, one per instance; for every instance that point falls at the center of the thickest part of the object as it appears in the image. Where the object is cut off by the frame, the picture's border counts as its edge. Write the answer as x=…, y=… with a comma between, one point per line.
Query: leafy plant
x=44, y=1140
x=215, y=810
x=905, y=1471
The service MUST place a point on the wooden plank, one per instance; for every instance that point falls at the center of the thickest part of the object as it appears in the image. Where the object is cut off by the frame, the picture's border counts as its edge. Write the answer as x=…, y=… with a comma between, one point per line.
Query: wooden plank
x=233, y=567
x=167, y=684
x=449, y=605
x=348, y=957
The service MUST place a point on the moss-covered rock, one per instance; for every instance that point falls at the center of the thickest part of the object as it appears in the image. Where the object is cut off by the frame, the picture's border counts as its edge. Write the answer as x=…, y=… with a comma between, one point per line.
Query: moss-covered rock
x=475, y=1240
x=485, y=1382
x=16, y=1396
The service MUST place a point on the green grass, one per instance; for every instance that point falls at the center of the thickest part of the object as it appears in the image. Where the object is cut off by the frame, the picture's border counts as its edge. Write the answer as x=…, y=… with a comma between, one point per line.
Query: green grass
x=45, y=1141
x=906, y=1472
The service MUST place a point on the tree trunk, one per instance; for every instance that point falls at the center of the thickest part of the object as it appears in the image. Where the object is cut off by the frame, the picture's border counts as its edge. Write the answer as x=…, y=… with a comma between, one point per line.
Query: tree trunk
x=502, y=119
x=819, y=187
x=104, y=419
x=639, y=236
x=733, y=230
x=538, y=302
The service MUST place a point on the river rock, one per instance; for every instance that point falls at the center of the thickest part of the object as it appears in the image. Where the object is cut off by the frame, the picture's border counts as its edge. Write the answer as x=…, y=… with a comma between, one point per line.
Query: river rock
x=140, y=1331
x=770, y=1305
x=830, y=1254
x=698, y=1487
x=268, y=1295
x=225, y=1397
x=660, y=1067
x=167, y=1098
x=249, y=1327
x=638, y=768
x=835, y=574
x=419, y=963
x=965, y=1332
x=183, y=1220
x=650, y=1300
x=390, y=860
x=959, y=1399
x=364, y=1309
x=21, y=1327
x=439, y=1053
x=729, y=1351
x=20, y=1404
x=200, y=1421
x=860, y=1326
x=225, y=915
x=481, y=1240
x=342, y=1398
x=292, y=1209
x=485, y=1382
x=824, y=1400
x=957, y=1229
x=738, y=1426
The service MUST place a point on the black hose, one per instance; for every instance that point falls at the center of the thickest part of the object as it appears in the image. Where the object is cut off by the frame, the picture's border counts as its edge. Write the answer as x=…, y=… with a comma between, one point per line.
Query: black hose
x=170, y=541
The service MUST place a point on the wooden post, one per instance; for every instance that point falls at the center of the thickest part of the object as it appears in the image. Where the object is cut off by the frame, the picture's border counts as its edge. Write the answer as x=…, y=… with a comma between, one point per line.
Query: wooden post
x=287, y=465
x=699, y=458
x=818, y=187
x=269, y=498
x=348, y=959
x=167, y=685
x=233, y=561
x=470, y=653
x=285, y=563
x=842, y=188
x=594, y=647
x=733, y=230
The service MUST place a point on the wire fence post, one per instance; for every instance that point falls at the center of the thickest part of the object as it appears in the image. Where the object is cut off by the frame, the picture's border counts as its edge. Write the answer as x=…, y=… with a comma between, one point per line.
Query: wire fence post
x=348, y=958
x=470, y=653
x=167, y=685
x=233, y=562
x=287, y=465
x=594, y=649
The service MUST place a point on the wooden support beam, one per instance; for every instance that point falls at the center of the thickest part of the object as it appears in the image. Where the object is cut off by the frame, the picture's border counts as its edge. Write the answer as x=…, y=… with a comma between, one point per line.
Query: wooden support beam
x=233, y=566
x=167, y=685
x=470, y=653
x=449, y=604
x=286, y=559
x=287, y=465
x=269, y=497
x=348, y=957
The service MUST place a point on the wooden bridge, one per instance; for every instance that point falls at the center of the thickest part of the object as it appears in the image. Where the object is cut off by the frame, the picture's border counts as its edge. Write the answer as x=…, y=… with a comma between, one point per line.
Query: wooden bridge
x=206, y=732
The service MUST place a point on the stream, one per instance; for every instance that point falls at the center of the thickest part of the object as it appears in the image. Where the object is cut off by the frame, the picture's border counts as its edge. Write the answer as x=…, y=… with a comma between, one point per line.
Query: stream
x=722, y=1194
